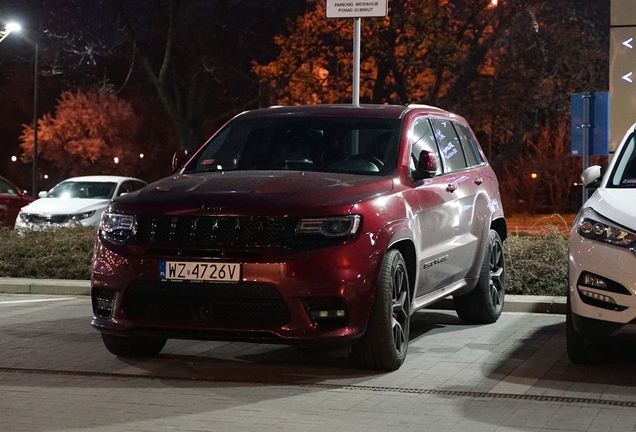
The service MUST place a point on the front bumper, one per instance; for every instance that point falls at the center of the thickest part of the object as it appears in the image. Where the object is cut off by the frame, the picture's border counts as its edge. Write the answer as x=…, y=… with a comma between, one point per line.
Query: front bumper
x=602, y=312
x=313, y=296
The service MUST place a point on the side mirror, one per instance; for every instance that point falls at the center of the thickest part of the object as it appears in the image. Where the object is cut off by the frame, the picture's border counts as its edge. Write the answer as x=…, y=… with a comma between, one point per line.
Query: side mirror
x=179, y=159
x=42, y=194
x=591, y=177
x=426, y=166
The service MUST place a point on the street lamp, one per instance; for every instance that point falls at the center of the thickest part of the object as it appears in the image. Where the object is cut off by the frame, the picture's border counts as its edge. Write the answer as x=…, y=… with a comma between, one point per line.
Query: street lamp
x=11, y=27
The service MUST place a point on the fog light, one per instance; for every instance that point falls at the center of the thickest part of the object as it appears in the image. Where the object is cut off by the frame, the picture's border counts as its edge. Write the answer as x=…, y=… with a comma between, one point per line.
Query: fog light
x=594, y=281
x=597, y=296
x=327, y=311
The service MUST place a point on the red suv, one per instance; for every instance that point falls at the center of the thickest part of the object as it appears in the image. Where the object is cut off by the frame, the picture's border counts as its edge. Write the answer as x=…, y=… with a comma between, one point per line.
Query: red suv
x=306, y=225
x=12, y=199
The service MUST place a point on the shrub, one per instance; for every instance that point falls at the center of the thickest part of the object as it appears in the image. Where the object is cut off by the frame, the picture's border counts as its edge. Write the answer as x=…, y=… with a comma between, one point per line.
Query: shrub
x=537, y=260
x=49, y=254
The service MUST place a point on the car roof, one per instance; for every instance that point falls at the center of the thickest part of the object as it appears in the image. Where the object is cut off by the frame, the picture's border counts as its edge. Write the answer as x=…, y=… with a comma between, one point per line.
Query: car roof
x=100, y=178
x=342, y=110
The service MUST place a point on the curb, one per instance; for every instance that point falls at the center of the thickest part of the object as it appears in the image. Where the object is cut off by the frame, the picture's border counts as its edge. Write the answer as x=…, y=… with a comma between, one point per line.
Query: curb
x=45, y=286
x=519, y=303
x=513, y=303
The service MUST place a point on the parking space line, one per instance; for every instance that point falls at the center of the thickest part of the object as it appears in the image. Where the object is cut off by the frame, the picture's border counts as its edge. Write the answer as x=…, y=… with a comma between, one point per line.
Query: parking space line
x=35, y=300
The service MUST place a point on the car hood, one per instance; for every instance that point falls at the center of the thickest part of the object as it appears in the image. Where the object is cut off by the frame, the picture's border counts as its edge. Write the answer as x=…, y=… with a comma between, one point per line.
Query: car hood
x=241, y=192
x=616, y=205
x=59, y=206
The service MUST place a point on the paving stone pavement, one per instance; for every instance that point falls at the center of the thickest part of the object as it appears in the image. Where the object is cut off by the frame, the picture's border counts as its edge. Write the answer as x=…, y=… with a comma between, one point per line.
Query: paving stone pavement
x=513, y=375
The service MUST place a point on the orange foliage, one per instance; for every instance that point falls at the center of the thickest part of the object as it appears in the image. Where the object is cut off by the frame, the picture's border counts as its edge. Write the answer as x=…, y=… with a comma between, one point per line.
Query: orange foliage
x=85, y=133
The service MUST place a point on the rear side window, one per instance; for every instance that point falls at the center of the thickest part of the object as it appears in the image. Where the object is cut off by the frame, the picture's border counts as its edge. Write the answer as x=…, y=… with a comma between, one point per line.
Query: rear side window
x=469, y=142
x=424, y=139
x=449, y=145
x=7, y=189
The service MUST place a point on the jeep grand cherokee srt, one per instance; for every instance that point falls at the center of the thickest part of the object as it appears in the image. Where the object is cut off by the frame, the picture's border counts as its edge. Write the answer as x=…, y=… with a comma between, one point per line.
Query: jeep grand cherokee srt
x=306, y=225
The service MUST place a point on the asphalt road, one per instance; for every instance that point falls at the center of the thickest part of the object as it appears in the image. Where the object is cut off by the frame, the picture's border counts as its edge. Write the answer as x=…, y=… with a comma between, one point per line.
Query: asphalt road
x=514, y=375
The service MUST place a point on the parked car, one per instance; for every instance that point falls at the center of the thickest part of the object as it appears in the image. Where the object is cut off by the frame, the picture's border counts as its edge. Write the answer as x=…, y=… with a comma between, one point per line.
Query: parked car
x=306, y=225
x=12, y=199
x=602, y=270
x=76, y=200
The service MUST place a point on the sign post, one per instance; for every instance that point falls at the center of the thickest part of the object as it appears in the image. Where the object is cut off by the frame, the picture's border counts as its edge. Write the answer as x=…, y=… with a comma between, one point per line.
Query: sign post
x=356, y=9
x=589, y=127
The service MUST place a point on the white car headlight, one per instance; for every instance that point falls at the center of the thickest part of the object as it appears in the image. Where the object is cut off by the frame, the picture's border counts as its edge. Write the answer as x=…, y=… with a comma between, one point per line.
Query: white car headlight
x=80, y=216
x=604, y=232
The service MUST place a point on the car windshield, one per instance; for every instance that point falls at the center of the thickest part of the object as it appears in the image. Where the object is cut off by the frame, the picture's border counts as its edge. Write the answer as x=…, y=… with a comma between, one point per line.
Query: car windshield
x=324, y=144
x=92, y=190
x=624, y=174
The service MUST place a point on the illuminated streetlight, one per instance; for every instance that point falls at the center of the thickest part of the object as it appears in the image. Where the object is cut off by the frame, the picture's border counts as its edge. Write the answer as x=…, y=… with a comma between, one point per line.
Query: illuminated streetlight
x=534, y=176
x=14, y=158
x=141, y=155
x=10, y=27
x=116, y=159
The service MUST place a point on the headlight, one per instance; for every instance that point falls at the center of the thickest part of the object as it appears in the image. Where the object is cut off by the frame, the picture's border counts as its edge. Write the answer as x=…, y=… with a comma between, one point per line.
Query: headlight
x=604, y=232
x=338, y=226
x=80, y=216
x=117, y=228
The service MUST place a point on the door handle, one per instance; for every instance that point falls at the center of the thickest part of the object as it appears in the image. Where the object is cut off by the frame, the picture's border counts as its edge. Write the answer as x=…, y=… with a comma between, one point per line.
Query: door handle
x=452, y=187
x=478, y=180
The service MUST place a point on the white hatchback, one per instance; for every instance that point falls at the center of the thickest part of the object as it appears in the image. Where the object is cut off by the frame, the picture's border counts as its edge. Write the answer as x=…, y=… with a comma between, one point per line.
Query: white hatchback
x=602, y=259
x=76, y=200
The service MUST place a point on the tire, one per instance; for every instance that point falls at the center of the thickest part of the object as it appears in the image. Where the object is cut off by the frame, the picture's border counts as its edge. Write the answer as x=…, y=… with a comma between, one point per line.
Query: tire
x=385, y=343
x=484, y=304
x=580, y=351
x=133, y=346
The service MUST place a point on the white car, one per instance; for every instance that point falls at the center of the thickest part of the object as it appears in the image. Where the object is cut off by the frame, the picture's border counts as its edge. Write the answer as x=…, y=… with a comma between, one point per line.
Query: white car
x=602, y=260
x=75, y=200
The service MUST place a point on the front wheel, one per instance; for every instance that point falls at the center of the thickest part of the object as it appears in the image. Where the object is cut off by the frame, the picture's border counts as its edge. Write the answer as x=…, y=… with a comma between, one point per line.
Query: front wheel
x=384, y=345
x=580, y=351
x=133, y=346
x=484, y=304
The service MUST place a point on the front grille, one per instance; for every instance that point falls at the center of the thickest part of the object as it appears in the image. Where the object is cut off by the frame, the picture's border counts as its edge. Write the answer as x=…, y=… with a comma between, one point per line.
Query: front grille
x=38, y=219
x=206, y=304
x=211, y=231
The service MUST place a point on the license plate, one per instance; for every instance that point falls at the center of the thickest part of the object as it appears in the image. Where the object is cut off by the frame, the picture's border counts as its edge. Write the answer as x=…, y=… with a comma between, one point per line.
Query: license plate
x=200, y=271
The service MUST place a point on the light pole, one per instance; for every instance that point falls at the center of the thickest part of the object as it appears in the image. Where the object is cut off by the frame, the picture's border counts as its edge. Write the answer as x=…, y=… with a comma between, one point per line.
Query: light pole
x=11, y=27
x=34, y=184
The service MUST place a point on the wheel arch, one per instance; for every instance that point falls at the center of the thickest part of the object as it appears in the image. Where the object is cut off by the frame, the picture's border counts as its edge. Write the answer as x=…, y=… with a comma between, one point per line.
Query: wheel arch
x=501, y=227
x=407, y=249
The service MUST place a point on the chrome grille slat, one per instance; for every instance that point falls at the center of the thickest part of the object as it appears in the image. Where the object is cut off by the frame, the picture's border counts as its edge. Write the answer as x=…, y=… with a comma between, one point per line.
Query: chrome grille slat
x=211, y=231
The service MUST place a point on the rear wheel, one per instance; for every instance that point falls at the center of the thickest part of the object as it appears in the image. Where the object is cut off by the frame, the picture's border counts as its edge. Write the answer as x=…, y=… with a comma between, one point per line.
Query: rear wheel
x=384, y=345
x=133, y=346
x=484, y=304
